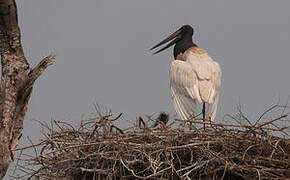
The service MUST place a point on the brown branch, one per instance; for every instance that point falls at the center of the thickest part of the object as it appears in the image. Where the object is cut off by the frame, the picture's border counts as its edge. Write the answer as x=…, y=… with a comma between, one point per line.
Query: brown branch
x=39, y=69
x=227, y=151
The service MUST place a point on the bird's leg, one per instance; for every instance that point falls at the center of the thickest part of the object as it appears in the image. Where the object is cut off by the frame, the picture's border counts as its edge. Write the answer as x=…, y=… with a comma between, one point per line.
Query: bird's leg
x=209, y=117
x=203, y=115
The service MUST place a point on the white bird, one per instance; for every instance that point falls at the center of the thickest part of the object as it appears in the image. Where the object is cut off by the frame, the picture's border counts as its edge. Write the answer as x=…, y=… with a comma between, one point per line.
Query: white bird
x=194, y=76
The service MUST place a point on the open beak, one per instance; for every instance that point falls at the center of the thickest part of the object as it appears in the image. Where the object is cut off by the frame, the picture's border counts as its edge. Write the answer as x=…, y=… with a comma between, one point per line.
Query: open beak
x=175, y=36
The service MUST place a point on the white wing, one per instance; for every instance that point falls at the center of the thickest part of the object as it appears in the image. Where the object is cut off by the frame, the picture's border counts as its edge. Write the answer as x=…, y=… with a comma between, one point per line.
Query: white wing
x=198, y=78
x=184, y=89
x=216, y=82
x=213, y=107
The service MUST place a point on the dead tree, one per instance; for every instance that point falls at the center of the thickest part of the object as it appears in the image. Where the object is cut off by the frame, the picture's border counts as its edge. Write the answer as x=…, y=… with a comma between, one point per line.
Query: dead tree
x=17, y=79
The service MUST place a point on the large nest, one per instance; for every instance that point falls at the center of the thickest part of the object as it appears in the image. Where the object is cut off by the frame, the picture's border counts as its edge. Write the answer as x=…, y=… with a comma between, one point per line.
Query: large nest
x=98, y=149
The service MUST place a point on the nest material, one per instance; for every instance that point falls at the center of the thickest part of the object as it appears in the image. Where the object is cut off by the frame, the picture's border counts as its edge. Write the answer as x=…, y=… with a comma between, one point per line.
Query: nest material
x=100, y=150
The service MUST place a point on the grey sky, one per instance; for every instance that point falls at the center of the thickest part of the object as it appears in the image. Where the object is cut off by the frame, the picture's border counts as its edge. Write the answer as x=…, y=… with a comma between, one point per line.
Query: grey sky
x=102, y=54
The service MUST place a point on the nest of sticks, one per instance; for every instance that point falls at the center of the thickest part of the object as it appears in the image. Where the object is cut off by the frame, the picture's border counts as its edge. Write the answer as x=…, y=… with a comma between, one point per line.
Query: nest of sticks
x=98, y=149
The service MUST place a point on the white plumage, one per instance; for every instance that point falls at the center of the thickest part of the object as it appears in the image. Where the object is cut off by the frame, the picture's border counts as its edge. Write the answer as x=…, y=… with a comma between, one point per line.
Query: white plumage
x=195, y=78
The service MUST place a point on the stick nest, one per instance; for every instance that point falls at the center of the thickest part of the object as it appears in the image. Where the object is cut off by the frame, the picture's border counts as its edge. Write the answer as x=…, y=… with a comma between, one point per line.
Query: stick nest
x=98, y=149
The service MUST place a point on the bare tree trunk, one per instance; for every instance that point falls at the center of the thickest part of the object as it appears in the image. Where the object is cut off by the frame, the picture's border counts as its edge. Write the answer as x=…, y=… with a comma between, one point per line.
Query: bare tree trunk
x=16, y=83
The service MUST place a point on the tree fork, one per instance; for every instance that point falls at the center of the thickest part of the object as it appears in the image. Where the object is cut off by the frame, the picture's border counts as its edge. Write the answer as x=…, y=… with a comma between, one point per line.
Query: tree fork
x=17, y=80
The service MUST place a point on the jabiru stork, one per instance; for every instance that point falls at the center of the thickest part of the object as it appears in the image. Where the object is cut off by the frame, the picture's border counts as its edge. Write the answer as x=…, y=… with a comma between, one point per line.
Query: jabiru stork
x=194, y=76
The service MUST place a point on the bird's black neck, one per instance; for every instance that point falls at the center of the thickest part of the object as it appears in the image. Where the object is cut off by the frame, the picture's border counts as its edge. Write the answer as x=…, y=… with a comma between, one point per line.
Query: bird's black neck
x=182, y=45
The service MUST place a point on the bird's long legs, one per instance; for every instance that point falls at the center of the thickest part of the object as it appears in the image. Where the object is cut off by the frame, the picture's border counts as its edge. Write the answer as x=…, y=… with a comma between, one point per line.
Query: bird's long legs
x=203, y=115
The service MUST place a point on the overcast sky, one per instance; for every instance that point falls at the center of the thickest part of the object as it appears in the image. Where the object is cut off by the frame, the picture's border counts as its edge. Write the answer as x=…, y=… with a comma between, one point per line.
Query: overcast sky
x=102, y=54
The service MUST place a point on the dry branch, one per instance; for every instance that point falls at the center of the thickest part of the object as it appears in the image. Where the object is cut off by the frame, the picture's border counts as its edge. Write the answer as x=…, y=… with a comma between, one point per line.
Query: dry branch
x=223, y=151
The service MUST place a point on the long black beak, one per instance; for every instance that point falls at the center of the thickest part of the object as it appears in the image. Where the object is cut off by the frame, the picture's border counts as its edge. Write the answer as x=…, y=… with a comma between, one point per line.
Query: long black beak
x=176, y=36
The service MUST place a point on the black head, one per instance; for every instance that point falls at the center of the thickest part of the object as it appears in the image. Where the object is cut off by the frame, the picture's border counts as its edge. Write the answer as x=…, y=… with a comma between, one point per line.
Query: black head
x=182, y=39
x=187, y=30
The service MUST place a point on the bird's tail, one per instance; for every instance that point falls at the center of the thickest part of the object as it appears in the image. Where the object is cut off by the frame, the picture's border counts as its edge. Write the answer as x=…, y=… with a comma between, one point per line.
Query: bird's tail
x=184, y=106
x=212, y=108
